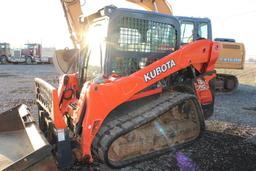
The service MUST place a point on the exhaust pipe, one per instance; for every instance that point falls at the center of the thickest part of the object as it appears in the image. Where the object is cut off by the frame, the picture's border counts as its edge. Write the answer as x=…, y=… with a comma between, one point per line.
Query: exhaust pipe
x=22, y=145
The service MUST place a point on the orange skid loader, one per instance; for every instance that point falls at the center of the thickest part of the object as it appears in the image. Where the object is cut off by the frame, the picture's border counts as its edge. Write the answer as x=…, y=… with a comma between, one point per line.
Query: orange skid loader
x=135, y=93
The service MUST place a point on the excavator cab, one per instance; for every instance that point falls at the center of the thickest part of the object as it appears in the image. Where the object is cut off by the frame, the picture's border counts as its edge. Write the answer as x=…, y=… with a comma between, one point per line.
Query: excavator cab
x=193, y=29
x=5, y=52
x=232, y=55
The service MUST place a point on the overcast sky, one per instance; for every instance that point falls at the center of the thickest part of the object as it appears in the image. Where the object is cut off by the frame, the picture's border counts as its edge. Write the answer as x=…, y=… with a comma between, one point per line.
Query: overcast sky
x=43, y=21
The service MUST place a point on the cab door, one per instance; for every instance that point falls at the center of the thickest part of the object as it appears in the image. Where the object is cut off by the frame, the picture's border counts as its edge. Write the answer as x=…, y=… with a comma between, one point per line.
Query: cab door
x=193, y=29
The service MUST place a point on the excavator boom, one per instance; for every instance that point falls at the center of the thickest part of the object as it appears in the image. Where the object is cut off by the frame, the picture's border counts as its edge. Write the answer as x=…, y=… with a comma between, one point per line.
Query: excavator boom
x=161, y=6
x=72, y=11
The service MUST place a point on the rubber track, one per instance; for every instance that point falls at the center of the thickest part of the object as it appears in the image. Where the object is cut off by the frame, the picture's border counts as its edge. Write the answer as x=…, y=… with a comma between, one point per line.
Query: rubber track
x=126, y=123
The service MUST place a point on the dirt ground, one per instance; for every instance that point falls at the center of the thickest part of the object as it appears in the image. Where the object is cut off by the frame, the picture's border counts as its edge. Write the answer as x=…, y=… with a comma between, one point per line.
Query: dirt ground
x=229, y=143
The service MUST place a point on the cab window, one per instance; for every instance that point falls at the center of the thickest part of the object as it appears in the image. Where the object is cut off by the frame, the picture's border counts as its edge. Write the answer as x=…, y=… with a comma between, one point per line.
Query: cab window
x=2, y=46
x=187, y=29
x=96, y=36
x=203, y=30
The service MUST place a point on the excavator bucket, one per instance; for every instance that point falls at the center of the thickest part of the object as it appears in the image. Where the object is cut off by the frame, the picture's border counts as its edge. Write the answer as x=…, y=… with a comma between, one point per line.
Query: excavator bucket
x=22, y=145
x=65, y=61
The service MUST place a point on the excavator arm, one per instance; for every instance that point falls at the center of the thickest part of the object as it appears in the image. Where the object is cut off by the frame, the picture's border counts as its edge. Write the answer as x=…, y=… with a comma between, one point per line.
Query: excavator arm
x=72, y=11
x=161, y=6
x=65, y=59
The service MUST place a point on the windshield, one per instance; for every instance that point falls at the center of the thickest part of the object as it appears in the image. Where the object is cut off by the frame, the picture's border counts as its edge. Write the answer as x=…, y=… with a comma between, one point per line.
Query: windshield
x=187, y=29
x=30, y=46
x=2, y=46
x=203, y=30
x=95, y=49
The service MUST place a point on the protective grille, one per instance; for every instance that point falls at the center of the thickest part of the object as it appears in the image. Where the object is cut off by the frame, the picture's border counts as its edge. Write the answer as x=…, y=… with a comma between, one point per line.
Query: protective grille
x=127, y=66
x=140, y=35
x=140, y=42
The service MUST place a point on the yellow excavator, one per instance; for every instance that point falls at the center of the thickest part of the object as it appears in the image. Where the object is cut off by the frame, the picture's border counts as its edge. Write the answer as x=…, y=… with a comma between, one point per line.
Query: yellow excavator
x=162, y=99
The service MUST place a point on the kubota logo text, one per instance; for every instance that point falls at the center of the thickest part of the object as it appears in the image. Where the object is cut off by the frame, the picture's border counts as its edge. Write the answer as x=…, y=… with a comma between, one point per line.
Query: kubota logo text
x=158, y=70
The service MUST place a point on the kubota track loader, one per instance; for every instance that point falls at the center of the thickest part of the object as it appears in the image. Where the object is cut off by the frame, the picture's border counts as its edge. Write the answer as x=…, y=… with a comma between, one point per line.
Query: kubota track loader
x=133, y=94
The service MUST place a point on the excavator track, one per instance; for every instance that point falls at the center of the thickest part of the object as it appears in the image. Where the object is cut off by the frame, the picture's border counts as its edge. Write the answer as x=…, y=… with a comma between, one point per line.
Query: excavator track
x=151, y=129
x=226, y=83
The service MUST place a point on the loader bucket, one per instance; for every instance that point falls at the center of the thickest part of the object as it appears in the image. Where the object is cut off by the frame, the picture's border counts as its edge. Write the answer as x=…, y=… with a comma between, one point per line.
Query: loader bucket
x=22, y=145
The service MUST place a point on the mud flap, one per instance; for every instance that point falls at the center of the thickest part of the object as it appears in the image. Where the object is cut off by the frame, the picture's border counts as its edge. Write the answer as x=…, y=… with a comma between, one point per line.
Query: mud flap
x=22, y=144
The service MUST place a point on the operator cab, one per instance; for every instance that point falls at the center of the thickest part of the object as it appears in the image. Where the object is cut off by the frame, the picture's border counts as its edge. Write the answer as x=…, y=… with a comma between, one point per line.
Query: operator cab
x=4, y=46
x=5, y=49
x=31, y=49
x=121, y=41
x=193, y=29
x=5, y=52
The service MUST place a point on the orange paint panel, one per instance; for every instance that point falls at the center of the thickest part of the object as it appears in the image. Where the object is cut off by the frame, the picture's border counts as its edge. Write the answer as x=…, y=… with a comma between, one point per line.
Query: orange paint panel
x=146, y=93
x=59, y=122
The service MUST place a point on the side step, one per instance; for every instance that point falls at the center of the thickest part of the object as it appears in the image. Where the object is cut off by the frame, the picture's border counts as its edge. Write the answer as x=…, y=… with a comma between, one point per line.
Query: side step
x=22, y=144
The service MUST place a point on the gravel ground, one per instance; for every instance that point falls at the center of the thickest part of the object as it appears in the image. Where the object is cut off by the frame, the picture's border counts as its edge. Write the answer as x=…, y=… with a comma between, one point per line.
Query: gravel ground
x=236, y=106
x=17, y=84
x=229, y=143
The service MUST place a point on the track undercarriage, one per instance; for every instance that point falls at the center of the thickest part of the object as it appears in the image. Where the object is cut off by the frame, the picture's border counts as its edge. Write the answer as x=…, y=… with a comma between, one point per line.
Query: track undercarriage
x=226, y=83
x=160, y=124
